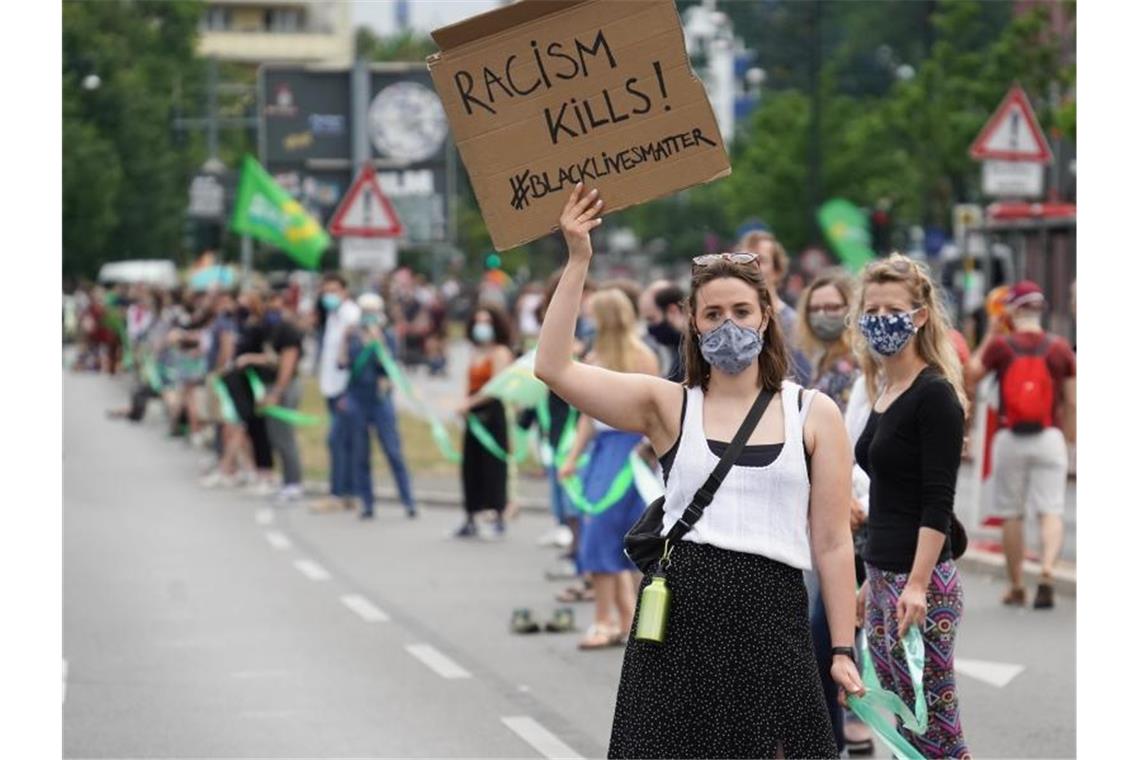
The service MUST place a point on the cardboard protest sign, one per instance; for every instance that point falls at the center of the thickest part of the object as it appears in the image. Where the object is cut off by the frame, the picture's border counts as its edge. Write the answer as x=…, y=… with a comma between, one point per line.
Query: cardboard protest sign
x=542, y=94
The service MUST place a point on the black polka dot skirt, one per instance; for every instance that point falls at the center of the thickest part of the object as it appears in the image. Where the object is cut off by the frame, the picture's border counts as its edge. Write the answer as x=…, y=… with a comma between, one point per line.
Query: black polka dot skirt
x=735, y=676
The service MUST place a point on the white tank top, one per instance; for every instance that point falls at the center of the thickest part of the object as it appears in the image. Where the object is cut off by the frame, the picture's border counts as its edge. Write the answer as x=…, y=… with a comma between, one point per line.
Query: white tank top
x=757, y=510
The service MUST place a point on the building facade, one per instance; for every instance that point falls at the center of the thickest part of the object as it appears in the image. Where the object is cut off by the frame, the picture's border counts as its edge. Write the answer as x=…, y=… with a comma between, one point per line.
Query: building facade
x=313, y=32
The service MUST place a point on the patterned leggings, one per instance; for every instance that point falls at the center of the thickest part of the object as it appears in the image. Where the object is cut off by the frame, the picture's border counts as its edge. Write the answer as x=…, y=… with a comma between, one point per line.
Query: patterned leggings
x=943, y=737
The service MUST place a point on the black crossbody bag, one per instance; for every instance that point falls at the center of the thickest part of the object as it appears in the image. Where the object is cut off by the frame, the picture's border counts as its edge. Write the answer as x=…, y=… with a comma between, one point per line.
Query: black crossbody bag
x=644, y=544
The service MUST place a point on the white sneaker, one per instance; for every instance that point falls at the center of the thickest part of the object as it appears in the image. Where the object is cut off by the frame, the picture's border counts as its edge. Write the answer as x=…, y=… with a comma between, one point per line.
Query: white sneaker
x=217, y=479
x=260, y=488
x=549, y=538
x=294, y=492
x=564, y=537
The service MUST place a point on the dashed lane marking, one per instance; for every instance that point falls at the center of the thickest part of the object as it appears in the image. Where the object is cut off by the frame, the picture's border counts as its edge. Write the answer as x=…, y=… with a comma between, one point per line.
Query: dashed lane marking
x=439, y=662
x=312, y=570
x=264, y=516
x=537, y=736
x=368, y=611
x=278, y=540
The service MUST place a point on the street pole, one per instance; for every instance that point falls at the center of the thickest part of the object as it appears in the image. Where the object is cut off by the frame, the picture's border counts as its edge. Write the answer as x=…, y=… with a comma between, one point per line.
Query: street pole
x=814, y=139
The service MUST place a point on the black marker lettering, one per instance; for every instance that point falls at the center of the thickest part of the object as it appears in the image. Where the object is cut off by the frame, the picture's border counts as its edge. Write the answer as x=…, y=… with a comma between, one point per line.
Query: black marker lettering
x=701, y=138
x=615, y=118
x=510, y=80
x=465, y=92
x=538, y=60
x=629, y=87
x=554, y=51
x=556, y=126
x=599, y=42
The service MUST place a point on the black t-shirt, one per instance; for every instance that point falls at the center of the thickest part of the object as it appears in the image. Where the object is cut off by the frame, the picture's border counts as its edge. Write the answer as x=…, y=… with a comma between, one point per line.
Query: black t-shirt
x=912, y=452
x=253, y=336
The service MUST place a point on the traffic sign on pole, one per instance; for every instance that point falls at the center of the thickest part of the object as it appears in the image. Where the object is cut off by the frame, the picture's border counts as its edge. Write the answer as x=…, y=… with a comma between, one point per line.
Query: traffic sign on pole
x=365, y=211
x=1012, y=133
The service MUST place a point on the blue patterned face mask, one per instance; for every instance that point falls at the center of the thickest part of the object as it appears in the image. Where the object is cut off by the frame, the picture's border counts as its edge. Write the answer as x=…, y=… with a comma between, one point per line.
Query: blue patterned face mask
x=730, y=347
x=888, y=333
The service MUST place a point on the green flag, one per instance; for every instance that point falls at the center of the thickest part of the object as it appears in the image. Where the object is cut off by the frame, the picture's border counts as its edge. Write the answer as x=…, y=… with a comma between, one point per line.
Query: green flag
x=265, y=211
x=846, y=228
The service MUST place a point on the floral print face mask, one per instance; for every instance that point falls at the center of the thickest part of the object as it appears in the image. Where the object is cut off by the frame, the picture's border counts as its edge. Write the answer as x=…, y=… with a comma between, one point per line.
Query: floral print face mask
x=888, y=333
x=730, y=347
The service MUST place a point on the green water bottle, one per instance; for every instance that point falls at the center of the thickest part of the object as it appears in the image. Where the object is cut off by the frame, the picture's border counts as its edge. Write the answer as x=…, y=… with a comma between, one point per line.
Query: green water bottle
x=653, y=612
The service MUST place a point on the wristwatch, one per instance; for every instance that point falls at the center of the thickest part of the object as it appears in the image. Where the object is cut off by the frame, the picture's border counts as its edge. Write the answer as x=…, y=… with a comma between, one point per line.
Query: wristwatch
x=848, y=651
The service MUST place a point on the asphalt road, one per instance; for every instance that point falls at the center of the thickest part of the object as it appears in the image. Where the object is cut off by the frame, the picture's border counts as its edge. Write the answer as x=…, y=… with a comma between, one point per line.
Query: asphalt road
x=209, y=624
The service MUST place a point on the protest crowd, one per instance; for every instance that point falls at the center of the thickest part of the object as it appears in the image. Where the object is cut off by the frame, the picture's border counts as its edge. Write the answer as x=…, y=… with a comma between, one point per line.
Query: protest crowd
x=874, y=400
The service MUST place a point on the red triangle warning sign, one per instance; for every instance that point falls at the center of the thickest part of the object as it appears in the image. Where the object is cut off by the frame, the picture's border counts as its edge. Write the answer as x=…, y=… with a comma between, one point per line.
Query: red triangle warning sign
x=365, y=211
x=1012, y=133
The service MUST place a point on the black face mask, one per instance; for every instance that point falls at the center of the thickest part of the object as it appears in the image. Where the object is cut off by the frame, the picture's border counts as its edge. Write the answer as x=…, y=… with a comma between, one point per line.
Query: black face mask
x=664, y=334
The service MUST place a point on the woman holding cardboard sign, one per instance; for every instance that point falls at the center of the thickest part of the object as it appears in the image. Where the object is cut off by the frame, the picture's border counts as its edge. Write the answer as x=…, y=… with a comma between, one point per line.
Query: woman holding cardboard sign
x=732, y=674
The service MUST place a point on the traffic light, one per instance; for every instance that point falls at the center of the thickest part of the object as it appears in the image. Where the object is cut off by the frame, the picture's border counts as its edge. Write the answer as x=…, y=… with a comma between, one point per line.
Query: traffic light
x=881, y=228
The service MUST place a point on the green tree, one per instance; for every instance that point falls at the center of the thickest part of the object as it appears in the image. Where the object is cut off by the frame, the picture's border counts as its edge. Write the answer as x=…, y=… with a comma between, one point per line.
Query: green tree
x=118, y=141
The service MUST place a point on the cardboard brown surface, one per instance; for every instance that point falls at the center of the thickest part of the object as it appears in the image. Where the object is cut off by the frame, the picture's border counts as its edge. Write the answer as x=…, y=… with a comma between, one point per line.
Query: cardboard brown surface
x=544, y=93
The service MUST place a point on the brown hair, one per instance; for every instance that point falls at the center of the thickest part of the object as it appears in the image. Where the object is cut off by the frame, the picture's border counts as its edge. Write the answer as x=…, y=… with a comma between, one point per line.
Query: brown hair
x=616, y=343
x=808, y=342
x=551, y=286
x=773, y=358
x=751, y=243
x=499, y=321
x=933, y=339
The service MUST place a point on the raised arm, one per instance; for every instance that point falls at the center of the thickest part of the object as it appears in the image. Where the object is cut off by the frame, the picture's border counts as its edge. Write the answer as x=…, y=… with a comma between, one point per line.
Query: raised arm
x=627, y=401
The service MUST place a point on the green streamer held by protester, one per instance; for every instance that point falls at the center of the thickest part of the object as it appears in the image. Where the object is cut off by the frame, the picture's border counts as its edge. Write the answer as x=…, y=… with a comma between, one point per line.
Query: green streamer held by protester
x=869, y=707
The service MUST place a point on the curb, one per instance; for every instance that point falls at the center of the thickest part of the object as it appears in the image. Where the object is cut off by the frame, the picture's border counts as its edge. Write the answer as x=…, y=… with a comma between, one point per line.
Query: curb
x=989, y=562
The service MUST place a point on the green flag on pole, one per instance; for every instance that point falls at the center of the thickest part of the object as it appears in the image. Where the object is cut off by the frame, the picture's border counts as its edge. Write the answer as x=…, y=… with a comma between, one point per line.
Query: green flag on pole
x=846, y=228
x=265, y=211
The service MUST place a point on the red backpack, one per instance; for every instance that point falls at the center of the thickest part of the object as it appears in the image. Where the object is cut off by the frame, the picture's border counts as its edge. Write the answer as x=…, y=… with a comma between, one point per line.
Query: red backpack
x=1027, y=391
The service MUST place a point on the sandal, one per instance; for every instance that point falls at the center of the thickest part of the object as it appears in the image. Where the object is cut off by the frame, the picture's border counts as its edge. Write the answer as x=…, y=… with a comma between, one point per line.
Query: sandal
x=576, y=594
x=601, y=638
x=1015, y=597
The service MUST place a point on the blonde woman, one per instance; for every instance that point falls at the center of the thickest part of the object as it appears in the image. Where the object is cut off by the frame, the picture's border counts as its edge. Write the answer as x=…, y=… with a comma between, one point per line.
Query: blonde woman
x=600, y=555
x=911, y=448
x=821, y=328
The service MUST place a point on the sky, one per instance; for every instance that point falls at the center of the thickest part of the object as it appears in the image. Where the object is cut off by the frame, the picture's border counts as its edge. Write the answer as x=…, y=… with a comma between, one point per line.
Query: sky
x=426, y=15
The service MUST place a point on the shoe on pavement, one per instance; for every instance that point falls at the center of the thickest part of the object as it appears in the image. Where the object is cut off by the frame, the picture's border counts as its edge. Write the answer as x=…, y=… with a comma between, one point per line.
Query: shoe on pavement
x=217, y=479
x=562, y=622
x=467, y=530
x=1015, y=597
x=521, y=622
x=367, y=514
x=549, y=538
x=291, y=492
x=564, y=537
x=412, y=513
x=261, y=488
x=565, y=570
x=326, y=505
x=1044, y=598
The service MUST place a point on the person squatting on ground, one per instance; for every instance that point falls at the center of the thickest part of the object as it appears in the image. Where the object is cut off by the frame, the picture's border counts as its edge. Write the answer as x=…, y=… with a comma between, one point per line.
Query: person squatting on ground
x=1037, y=373
x=484, y=473
x=736, y=676
x=911, y=447
x=601, y=555
x=341, y=313
x=370, y=405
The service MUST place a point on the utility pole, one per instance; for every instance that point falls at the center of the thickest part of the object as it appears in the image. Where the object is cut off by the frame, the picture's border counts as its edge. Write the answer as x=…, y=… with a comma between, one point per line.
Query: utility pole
x=815, y=146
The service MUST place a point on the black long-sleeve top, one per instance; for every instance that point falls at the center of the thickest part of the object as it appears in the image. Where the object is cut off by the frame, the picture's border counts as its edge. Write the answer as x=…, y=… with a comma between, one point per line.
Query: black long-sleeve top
x=912, y=452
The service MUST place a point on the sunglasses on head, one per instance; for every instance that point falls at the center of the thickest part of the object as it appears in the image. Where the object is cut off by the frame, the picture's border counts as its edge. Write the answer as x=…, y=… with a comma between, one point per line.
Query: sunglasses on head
x=733, y=258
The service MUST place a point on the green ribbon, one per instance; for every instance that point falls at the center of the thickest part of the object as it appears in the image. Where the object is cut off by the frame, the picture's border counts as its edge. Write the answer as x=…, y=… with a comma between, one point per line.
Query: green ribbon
x=229, y=411
x=150, y=374
x=618, y=488
x=284, y=414
x=869, y=707
x=484, y=436
x=551, y=456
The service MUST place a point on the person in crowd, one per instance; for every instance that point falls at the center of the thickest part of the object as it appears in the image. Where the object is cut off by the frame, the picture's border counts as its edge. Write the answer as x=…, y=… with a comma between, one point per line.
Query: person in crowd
x=248, y=355
x=616, y=348
x=370, y=403
x=277, y=369
x=911, y=447
x=821, y=327
x=736, y=677
x=484, y=473
x=1037, y=375
x=671, y=303
x=773, y=263
x=341, y=313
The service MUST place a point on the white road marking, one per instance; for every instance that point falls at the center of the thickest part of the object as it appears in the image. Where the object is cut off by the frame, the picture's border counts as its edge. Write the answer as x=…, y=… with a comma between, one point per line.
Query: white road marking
x=312, y=570
x=278, y=540
x=437, y=661
x=264, y=516
x=536, y=735
x=997, y=674
x=366, y=609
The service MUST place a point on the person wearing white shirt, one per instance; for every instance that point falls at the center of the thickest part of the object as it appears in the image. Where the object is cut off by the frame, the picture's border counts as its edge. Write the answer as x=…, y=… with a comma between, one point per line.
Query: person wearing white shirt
x=333, y=380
